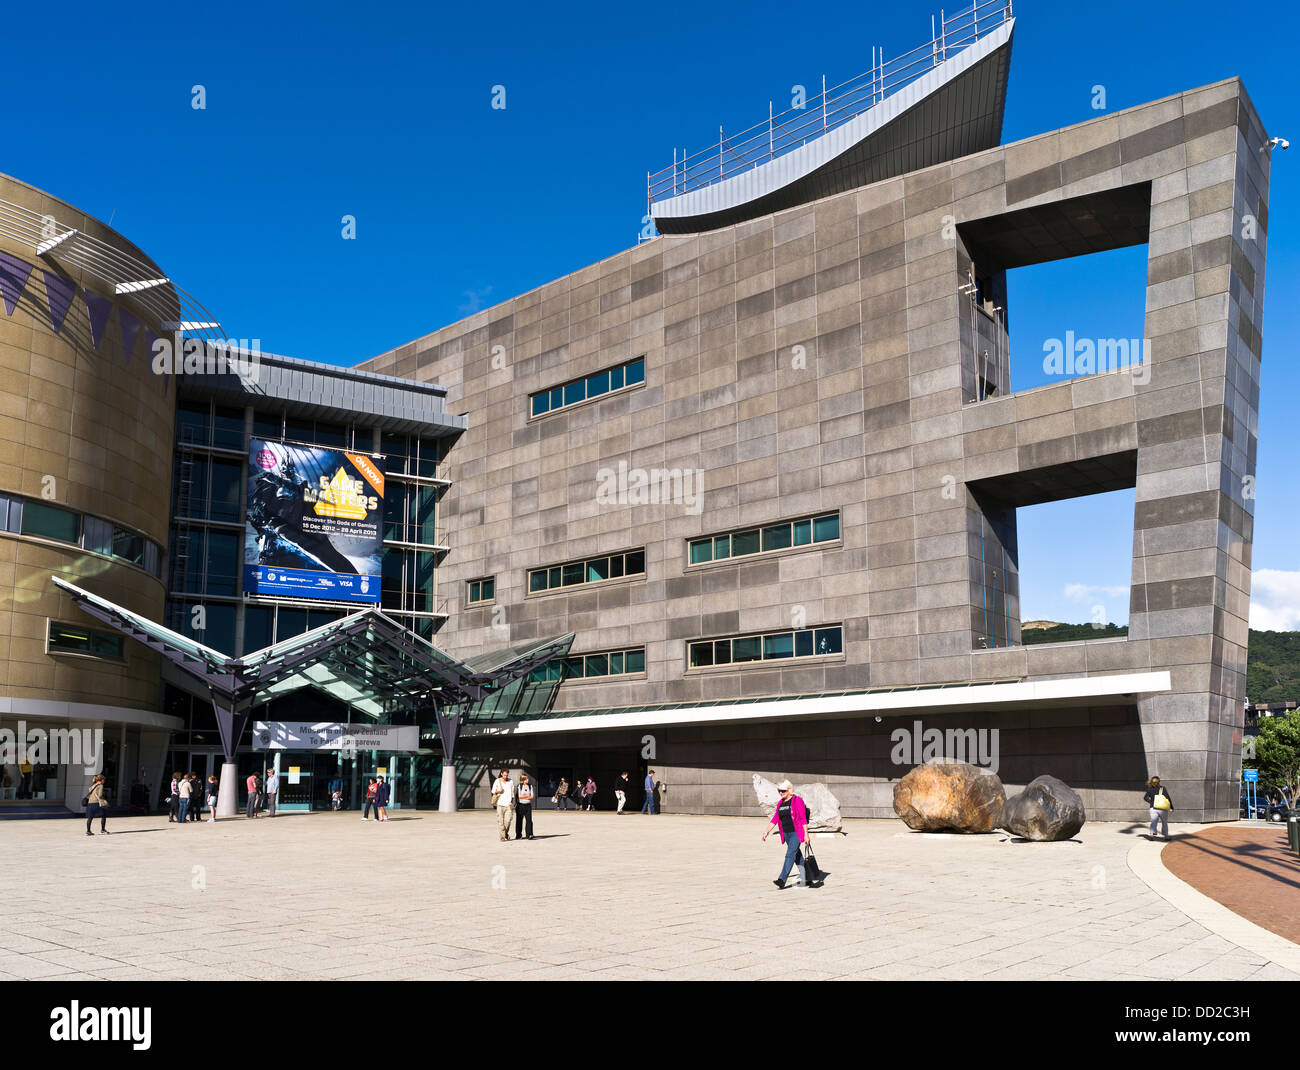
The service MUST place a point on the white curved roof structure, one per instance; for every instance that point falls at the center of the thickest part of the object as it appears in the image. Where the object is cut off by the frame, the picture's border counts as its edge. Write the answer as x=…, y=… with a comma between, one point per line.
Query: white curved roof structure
x=953, y=109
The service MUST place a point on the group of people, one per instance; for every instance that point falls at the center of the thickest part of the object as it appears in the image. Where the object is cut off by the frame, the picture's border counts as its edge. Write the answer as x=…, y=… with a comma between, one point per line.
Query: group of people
x=188, y=793
x=262, y=795
x=377, y=793
x=584, y=795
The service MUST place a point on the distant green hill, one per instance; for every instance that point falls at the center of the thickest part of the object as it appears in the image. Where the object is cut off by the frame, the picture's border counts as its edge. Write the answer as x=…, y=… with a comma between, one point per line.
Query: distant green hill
x=1272, y=661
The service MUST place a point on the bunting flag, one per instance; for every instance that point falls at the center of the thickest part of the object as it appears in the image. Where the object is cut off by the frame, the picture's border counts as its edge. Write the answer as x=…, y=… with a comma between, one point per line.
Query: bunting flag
x=99, y=308
x=14, y=274
x=130, y=329
x=59, y=291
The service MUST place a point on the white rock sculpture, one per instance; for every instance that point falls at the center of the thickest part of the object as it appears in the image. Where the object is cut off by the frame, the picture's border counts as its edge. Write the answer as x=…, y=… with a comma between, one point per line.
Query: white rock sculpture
x=823, y=807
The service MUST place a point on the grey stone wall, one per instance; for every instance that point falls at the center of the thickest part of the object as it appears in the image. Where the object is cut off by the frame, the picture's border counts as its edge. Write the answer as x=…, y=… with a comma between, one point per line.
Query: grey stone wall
x=825, y=357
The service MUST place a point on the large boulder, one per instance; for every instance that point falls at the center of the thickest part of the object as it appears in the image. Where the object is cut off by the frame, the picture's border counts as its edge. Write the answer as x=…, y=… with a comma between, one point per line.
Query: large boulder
x=947, y=795
x=1048, y=809
x=823, y=807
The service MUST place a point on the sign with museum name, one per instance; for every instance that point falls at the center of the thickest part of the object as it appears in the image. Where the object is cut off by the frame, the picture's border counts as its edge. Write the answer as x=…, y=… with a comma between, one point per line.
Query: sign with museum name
x=335, y=735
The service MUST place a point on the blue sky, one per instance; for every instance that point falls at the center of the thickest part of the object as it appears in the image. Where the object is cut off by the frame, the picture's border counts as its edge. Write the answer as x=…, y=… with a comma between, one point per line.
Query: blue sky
x=382, y=112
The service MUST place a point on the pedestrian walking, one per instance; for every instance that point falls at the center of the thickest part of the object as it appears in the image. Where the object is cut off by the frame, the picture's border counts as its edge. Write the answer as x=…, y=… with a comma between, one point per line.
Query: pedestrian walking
x=371, y=790
x=336, y=799
x=791, y=820
x=174, y=798
x=272, y=791
x=186, y=788
x=590, y=794
x=97, y=805
x=620, y=791
x=503, y=798
x=648, y=807
x=252, y=795
x=381, y=800
x=1157, y=798
x=561, y=797
x=524, y=808
x=212, y=800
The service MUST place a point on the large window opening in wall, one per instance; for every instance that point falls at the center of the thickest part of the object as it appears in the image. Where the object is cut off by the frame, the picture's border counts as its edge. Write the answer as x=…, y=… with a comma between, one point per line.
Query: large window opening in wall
x=1077, y=317
x=1059, y=291
x=1076, y=567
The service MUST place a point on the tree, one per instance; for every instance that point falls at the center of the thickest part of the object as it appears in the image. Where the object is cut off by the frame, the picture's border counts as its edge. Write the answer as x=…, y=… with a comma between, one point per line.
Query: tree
x=1277, y=754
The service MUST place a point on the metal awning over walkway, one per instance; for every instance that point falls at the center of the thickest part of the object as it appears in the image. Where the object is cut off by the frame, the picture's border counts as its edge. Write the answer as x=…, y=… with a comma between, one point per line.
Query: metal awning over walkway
x=366, y=659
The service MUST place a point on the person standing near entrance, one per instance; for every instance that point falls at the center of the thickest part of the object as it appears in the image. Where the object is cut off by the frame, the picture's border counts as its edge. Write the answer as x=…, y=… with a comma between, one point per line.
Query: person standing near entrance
x=503, y=798
x=97, y=805
x=561, y=799
x=196, y=797
x=272, y=791
x=174, y=799
x=371, y=789
x=252, y=795
x=648, y=807
x=212, y=800
x=620, y=791
x=524, y=808
x=381, y=800
x=185, y=786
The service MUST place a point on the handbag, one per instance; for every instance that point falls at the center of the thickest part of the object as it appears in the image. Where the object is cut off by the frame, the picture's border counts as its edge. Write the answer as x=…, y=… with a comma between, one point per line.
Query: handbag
x=1161, y=802
x=810, y=866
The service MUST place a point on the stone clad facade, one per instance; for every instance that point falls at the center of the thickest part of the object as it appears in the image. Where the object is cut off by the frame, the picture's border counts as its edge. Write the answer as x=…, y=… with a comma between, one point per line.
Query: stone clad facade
x=850, y=355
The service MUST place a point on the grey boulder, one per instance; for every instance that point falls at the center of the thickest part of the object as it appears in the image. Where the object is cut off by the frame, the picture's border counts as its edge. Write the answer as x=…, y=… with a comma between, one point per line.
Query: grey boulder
x=1048, y=809
x=823, y=807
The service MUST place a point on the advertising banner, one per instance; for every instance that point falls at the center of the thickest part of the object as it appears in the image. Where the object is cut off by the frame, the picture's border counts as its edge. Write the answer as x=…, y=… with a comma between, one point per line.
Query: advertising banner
x=315, y=523
x=334, y=735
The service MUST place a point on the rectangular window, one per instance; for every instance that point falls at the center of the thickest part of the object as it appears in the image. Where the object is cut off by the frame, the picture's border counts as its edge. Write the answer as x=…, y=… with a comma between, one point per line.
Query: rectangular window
x=50, y=522
x=75, y=639
x=771, y=646
x=771, y=538
x=97, y=535
x=605, y=381
x=228, y=428
x=634, y=660
x=592, y=570
x=604, y=663
x=597, y=665
x=483, y=590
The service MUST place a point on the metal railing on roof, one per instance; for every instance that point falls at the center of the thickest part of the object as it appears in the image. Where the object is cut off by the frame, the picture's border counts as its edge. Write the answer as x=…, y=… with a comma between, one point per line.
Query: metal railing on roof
x=788, y=130
x=121, y=273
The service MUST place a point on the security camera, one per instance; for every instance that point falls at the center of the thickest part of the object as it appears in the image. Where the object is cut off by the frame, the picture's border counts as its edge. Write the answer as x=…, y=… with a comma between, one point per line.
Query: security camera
x=1279, y=142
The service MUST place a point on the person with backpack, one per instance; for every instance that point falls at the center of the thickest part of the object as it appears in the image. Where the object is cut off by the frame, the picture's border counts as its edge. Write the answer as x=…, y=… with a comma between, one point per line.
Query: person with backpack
x=791, y=820
x=1157, y=797
x=97, y=805
x=371, y=790
x=381, y=800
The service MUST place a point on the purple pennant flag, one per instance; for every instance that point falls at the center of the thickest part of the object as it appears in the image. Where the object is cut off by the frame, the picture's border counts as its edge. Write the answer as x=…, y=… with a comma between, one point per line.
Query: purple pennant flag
x=99, y=308
x=130, y=329
x=14, y=274
x=59, y=291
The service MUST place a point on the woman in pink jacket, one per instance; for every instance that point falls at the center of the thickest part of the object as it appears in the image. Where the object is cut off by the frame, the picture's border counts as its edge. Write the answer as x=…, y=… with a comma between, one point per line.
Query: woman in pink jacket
x=791, y=820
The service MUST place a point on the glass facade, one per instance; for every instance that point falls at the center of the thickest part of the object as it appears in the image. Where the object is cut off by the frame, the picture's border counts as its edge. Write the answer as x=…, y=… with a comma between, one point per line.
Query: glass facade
x=604, y=382
x=90, y=642
x=205, y=582
x=767, y=646
x=625, y=662
x=805, y=531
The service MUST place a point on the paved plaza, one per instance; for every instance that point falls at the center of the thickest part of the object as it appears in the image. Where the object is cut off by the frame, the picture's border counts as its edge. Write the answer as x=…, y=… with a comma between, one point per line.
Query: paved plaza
x=434, y=896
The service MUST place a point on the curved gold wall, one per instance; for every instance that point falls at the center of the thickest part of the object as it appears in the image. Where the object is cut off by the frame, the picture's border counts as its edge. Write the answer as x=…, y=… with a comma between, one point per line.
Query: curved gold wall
x=96, y=420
